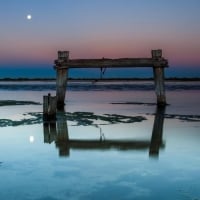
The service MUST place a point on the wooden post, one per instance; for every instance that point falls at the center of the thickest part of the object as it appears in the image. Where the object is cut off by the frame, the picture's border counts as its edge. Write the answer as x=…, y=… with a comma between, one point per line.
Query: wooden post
x=156, y=138
x=49, y=108
x=45, y=107
x=61, y=79
x=52, y=108
x=159, y=78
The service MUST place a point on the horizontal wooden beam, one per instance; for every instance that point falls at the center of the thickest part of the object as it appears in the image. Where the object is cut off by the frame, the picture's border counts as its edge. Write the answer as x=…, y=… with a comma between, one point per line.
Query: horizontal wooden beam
x=111, y=63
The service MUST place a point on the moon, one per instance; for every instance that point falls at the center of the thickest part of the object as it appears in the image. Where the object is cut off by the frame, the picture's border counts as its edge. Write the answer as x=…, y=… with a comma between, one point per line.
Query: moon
x=31, y=139
x=29, y=17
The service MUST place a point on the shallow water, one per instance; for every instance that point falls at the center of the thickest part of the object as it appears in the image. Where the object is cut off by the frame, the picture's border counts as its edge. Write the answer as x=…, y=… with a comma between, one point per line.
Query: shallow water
x=103, y=159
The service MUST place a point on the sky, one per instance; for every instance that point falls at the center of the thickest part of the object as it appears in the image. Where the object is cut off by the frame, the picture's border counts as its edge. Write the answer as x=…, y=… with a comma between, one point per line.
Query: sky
x=99, y=28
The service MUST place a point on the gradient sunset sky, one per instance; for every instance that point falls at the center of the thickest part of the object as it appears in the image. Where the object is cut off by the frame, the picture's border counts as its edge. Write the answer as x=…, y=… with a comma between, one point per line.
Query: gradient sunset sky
x=99, y=28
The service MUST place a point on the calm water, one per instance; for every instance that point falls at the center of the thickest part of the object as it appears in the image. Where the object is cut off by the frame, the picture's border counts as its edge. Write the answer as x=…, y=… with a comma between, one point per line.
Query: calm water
x=112, y=143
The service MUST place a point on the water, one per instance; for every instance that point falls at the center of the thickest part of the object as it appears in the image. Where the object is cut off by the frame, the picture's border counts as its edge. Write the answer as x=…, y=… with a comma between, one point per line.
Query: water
x=97, y=86
x=104, y=146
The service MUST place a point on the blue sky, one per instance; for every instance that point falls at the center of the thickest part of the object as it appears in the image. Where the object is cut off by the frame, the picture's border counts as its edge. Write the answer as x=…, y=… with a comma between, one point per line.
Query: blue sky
x=99, y=28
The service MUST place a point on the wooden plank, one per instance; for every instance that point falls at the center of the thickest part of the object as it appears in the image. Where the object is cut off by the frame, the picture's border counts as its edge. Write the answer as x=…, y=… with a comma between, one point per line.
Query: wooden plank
x=111, y=63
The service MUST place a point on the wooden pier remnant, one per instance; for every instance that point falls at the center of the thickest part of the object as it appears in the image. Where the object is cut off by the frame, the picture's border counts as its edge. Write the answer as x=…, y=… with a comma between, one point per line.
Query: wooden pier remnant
x=63, y=64
x=49, y=108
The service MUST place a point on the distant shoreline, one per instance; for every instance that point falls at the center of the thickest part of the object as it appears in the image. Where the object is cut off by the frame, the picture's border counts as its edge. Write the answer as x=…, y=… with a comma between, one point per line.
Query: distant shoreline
x=98, y=79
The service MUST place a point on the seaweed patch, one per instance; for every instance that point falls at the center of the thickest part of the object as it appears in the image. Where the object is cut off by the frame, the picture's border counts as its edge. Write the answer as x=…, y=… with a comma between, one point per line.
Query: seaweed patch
x=188, y=118
x=80, y=118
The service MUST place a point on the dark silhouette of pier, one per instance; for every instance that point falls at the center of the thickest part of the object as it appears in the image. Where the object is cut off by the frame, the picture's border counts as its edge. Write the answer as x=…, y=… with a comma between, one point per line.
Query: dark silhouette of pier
x=63, y=64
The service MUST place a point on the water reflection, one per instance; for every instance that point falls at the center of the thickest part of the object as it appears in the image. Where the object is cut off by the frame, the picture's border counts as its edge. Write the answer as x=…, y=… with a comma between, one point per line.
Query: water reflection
x=57, y=131
x=156, y=138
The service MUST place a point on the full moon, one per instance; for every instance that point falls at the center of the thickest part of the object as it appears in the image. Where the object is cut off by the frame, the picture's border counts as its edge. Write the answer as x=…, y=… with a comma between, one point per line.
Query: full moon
x=29, y=17
x=31, y=139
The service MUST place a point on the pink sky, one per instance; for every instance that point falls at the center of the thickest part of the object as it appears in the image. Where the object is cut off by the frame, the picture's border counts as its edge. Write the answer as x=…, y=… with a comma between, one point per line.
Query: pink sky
x=99, y=29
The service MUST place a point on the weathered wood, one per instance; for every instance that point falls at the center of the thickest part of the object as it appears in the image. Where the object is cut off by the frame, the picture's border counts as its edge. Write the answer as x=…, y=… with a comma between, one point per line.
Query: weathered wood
x=156, y=53
x=52, y=107
x=111, y=63
x=45, y=106
x=159, y=86
x=159, y=78
x=49, y=108
x=61, y=79
x=63, y=55
x=63, y=64
x=156, y=138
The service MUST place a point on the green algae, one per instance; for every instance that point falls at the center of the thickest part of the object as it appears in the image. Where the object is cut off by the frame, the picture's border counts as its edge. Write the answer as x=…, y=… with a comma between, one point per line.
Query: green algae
x=79, y=118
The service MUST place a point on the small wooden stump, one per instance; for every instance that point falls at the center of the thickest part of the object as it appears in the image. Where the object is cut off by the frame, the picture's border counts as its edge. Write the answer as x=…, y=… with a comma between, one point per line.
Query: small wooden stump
x=49, y=108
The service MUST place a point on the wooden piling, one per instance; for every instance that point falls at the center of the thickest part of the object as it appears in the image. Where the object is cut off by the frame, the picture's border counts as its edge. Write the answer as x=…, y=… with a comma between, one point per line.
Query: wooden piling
x=45, y=107
x=159, y=86
x=52, y=107
x=61, y=79
x=49, y=108
x=158, y=71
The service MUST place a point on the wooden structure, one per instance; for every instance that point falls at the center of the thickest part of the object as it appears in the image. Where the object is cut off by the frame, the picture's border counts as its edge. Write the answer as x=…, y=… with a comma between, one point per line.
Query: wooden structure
x=63, y=64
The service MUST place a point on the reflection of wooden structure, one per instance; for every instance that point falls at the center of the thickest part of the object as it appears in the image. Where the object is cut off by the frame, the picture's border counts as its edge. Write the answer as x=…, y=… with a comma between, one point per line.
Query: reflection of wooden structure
x=63, y=64
x=156, y=138
x=58, y=132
